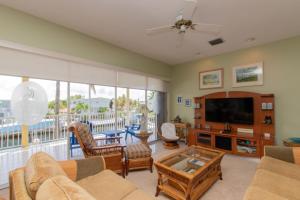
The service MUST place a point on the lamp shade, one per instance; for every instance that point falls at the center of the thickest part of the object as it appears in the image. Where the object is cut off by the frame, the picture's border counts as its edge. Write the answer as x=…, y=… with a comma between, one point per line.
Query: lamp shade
x=29, y=103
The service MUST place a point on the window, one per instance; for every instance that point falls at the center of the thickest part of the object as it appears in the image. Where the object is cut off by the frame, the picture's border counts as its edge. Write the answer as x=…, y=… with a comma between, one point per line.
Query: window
x=122, y=107
x=8, y=84
x=102, y=99
x=79, y=98
x=57, y=93
x=156, y=102
x=136, y=98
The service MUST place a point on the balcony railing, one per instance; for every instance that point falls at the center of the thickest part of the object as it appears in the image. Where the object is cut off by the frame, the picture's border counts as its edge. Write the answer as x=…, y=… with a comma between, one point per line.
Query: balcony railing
x=54, y=127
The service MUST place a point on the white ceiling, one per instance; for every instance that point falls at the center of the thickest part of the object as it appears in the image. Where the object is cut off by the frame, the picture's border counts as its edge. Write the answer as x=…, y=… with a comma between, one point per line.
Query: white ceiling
x=123, y=23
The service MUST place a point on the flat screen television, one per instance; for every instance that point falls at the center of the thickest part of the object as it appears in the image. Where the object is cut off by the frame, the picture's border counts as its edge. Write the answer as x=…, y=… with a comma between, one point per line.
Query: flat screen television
x=230, y=110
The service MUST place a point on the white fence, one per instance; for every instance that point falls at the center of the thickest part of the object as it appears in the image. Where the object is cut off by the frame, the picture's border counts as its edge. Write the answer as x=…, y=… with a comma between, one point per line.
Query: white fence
x=54, y=127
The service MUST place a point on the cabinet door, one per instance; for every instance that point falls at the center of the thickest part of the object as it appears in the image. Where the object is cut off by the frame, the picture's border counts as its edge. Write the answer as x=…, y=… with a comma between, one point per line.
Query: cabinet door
x=191, y=138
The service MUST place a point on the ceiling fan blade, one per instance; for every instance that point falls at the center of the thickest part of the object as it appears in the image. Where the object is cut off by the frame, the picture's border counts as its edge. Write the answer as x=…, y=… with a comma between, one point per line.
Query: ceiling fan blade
x=213, y=29
x=189, y=9
x=180, y=39
x=160, y=29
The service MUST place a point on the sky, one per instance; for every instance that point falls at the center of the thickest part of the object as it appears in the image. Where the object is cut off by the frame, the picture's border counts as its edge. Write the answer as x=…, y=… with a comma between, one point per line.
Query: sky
x=8, y=83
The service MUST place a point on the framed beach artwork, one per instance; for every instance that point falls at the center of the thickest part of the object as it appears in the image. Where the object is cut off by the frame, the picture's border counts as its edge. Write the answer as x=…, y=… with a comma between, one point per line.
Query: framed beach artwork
x=248, y=75
x=211, y=79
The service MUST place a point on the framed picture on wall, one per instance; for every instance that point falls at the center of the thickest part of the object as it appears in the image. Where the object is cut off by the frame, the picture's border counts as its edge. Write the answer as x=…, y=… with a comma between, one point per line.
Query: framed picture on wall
x=188, y=102
x=248, y=75
x=211, y=79
x=179, y=99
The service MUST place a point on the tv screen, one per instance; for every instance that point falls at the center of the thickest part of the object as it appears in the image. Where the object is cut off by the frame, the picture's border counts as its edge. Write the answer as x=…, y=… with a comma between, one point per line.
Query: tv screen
x=229, y=110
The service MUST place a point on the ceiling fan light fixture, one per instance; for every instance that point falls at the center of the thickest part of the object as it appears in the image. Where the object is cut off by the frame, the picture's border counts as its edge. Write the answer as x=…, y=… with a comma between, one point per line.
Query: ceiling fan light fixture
x=182, y=28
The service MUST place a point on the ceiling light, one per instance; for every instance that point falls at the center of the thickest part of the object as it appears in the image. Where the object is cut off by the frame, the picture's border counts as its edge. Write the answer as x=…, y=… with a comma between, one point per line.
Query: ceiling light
x=216, y=41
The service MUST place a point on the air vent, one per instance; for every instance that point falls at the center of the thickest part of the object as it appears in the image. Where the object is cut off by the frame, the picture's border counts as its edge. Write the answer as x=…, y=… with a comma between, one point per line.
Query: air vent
x=216, y=41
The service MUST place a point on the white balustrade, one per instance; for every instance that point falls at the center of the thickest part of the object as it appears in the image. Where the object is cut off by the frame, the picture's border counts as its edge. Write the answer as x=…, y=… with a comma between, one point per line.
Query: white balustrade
x=54, y=127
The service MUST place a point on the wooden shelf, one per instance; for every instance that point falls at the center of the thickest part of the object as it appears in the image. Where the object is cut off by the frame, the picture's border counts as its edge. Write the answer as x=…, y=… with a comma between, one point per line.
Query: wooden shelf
x=258, y=127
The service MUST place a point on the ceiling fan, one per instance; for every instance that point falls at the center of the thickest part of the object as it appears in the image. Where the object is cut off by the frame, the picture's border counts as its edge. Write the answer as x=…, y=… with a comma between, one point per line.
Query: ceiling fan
x=184, y=22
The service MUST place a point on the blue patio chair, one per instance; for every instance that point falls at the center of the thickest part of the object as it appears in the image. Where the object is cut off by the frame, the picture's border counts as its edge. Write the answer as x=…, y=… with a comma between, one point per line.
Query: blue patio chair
x=131, y=129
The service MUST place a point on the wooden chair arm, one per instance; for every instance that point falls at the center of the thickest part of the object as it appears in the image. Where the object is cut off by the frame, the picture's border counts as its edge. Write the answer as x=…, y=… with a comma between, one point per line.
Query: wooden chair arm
x=109, y=138
x=108, y=147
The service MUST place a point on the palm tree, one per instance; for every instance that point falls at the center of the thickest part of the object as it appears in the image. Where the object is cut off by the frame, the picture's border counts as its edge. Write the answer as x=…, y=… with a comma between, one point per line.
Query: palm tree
x=81, y=107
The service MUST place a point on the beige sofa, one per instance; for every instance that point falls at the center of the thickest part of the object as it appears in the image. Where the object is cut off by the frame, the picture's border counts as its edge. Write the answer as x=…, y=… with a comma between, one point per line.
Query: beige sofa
x=44, y=178
x=277, y=176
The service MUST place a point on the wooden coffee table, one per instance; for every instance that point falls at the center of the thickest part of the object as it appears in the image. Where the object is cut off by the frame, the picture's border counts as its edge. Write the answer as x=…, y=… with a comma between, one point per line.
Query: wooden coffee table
x=188, y=173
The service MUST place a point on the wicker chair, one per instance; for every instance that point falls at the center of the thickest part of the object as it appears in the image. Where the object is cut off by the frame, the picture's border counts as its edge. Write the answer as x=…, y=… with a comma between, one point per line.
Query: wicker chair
x=168, y=135
x=110, y=148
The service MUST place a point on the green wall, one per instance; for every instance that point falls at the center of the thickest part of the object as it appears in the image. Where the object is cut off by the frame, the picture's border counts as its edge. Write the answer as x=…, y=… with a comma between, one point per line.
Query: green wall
x=281, y=64
x=281, y=77
x=25, y=29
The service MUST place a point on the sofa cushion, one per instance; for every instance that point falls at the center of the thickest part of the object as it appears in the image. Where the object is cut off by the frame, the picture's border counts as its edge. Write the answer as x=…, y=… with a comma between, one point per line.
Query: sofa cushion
x=62, y=188
x=277, y=184
x=39, y=168
x=107, y=185
x=255, y=193
x=138, y=194
x=17, y=185
x=280, y=167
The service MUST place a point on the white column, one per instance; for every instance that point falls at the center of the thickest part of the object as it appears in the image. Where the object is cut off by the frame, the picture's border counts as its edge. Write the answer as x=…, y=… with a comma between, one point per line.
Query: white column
x=68, y=120
x=116, y=112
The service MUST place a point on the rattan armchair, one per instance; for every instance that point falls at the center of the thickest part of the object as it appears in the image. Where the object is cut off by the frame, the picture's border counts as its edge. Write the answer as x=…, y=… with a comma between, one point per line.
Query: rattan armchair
x=110, y=148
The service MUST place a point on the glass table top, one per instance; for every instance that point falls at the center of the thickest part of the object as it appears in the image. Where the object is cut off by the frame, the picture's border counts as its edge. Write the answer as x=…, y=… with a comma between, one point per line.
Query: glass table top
x=190, y=160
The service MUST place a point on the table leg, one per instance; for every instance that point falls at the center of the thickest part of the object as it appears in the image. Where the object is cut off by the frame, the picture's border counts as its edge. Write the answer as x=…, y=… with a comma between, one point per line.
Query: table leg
x=157, y=187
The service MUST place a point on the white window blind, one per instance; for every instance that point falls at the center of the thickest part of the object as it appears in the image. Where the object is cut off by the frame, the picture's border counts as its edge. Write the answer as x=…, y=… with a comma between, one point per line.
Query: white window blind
x=157, y=85
x=129, y=80
x=93, y=75
x=18, y=63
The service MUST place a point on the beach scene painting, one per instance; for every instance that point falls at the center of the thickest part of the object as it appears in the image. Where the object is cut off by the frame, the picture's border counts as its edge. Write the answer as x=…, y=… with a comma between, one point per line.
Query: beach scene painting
x=248, y=75
x=211, y=79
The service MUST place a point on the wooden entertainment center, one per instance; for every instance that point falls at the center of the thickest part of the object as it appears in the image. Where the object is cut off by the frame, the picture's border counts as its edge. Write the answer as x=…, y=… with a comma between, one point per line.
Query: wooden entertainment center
x=243, y=139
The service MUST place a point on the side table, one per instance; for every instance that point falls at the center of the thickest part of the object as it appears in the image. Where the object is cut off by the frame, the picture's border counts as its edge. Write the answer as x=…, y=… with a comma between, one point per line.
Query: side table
x=182, y=130
x=143, y=136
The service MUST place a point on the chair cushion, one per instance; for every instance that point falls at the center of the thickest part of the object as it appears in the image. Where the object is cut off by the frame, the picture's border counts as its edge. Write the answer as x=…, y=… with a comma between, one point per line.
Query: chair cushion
x=85, y=136
x=280, y=167
x=169, y=131
x=39, y=168
x=172, y=138
x=137, y=151
x=62, y=188
x=107, y=185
